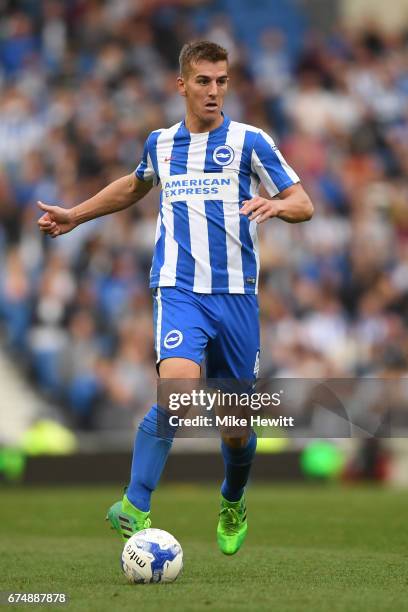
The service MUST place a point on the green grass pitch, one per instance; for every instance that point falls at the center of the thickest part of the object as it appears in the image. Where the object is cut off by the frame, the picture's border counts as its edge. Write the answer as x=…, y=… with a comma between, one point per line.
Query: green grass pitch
x=317, y=549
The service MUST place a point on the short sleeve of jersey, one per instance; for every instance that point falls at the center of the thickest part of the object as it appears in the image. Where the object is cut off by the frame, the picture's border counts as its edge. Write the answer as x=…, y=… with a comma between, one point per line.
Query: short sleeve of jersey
x=270, y=166
x=147, y=170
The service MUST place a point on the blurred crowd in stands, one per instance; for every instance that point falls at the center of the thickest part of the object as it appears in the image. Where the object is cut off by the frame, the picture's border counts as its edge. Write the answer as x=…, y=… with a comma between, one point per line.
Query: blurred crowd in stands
x=81, y=86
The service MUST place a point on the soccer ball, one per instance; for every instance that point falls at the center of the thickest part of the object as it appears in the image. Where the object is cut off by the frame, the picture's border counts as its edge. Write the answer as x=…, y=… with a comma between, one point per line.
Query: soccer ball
x=152, y=555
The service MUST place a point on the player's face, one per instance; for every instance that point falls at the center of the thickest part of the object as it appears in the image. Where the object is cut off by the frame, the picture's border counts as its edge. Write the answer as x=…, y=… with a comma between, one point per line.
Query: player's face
x=204, y=87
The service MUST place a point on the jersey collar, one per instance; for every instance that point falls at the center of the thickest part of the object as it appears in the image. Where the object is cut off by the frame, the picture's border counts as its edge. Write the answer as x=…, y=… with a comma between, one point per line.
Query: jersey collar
x=224, y=125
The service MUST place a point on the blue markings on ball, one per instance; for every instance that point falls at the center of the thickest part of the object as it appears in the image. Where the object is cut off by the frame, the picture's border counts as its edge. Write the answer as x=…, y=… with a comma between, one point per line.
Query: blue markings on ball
x=143, y=544
x=160, y=557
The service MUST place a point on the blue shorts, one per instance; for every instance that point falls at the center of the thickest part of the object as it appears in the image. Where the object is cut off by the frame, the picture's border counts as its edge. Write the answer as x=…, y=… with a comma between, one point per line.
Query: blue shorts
x=222, y=327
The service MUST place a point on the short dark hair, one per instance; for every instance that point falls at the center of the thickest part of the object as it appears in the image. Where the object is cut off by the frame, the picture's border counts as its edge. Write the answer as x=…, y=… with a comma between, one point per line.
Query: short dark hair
x=194, y=52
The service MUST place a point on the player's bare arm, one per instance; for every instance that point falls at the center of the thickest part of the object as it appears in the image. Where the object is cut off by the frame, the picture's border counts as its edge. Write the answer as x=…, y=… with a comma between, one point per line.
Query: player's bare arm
x=292, y=205
x=117, y=196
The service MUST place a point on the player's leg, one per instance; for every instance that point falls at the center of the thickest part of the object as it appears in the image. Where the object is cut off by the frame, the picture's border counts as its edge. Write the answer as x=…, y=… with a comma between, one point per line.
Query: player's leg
x=232, y=526
x=234, y=354
x=180, y=343
x=155, y=438
x=153, y=441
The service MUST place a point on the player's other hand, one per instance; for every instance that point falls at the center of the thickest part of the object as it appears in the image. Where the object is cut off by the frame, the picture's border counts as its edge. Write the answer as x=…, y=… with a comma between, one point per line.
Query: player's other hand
x=55, y=220
x=259, y=209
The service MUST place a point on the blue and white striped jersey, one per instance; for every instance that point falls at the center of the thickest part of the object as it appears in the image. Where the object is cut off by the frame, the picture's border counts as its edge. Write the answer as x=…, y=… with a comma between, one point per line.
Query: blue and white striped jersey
x=202, y=242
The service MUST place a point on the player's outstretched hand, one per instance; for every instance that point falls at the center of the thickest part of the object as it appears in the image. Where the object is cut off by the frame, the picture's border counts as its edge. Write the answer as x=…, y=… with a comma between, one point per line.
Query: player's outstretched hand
x=55, y=220
x=259, y=209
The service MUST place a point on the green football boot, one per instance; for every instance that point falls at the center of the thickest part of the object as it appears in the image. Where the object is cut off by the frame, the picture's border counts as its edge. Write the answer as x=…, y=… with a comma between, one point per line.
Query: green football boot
x=232, y=526
x=126, y=519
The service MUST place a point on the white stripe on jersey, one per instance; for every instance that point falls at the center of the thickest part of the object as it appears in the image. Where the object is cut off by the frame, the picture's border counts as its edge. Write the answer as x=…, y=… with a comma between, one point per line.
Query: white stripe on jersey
x=152, y=174
x=157, y=234
x=164, y=147
x=266, y=180
x=255, y=185
x=158, y=323
x=253, y=226
x=235, y=139
x=168, y=271
x=253, y=230
x=198, y=221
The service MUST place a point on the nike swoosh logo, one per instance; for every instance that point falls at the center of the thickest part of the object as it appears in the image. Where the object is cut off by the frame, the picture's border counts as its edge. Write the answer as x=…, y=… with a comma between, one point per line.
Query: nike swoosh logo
x=167, y=159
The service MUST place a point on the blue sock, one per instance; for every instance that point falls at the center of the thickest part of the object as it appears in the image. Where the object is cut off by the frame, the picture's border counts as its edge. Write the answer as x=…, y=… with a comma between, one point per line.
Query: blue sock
x=237, y=462
x=153, y=442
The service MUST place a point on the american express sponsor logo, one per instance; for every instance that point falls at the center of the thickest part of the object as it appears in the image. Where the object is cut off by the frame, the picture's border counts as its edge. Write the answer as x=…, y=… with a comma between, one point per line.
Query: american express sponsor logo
x=213, y=186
